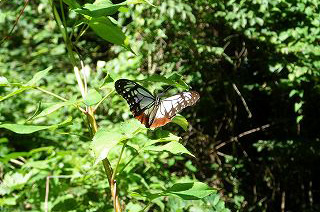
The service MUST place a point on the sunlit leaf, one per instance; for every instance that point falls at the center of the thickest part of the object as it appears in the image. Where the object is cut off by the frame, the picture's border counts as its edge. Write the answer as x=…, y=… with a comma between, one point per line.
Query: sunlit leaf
x=107, y=30
x=53, y=108
x=181, y=121
x=190, y=190
x=172, y=147
x=27, y=129
x=99, y=8
x=92, y=98
x=38, y=76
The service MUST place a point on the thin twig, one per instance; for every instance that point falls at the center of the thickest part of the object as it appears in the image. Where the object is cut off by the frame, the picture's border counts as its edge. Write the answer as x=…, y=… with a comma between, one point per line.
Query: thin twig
x=102, y=100
x=47, y=188
x=242, y=99
x=241, y=135
x=59, y=97
x=16, y=22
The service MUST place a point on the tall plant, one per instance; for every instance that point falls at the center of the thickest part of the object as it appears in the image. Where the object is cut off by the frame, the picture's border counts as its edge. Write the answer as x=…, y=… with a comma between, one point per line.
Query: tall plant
x=99, y=17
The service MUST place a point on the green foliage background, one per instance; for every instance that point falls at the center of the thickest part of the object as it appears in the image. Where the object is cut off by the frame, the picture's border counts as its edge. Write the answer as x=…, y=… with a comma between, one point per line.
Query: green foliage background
x=254, y=132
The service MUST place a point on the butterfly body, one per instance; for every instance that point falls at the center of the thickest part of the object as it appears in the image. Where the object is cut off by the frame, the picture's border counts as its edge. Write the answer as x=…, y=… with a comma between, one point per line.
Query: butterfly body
x=150, y=110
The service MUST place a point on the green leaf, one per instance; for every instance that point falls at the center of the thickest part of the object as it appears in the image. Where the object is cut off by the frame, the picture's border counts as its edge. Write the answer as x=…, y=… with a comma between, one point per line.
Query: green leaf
x=27, y=129
x=106, y=80
x=100, y=8
x=174, y=80
x=190, y=190
x=181, y=121
x=20, y=90
x=105, y=140
x=92, y=98
x=73, y=4
x=172, y=147
x=107, y=30
x=53, y=108
x=38, y=76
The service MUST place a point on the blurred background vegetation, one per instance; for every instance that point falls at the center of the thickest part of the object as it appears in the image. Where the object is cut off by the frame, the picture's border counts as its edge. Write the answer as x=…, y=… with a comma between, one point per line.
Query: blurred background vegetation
x=254, y=131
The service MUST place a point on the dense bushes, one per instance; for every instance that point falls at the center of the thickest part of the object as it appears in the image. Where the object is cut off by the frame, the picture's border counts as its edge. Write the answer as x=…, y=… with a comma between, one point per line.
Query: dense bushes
x=254, y=132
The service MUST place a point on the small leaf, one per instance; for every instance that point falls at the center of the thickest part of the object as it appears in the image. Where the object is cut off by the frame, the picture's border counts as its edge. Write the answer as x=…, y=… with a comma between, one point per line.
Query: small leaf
x=53, y=108
x=27, y=129
x=106, y=80
x=172, y=147
x=190, y=190
x=38, y=76
x=107, y=30
x=20, y=90
x=174, y=80
x=100, y=8
x=93, y=97
x=181, y=121
x=73, y=4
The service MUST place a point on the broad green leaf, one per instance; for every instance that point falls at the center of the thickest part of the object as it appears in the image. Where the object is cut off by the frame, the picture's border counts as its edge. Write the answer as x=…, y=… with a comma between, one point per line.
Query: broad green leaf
x=103, y=141
x=131, y=127
x=99, y=8
x=20, y=90
x=27, y=129
x=92, y=98
x=190, y=190
x=38, y=76
x=53, y=108
x=107, y=30
x=172, y=147
x=181, y=121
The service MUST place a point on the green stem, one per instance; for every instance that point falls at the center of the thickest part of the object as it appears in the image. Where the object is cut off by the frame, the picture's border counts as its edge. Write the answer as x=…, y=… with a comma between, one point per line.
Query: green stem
x=104, y=98
x=125, y=166
x=52, y=94
x=59, y=97
x=119, y=159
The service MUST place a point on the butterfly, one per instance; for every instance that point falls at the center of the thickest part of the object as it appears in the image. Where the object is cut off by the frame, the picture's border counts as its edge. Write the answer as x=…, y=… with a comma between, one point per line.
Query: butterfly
x=150, y=110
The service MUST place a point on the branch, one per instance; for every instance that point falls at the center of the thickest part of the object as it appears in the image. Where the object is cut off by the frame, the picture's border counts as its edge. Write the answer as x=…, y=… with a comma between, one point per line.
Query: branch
x=16, y=22
x=241, y=135
x=242, y=99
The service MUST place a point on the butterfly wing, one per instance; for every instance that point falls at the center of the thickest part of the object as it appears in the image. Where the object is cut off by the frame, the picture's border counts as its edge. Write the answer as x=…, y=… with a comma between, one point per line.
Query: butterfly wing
x=169, y=107
x=140, y=100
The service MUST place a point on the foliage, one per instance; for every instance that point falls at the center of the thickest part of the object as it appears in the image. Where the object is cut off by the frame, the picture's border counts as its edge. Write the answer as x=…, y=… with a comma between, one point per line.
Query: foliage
x=254, y=134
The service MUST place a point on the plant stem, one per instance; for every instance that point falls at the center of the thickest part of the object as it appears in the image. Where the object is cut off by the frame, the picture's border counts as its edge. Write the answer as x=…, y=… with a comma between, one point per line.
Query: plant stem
x=119, y=159
x=89, y=112
x=59, y=97
x=104, y=98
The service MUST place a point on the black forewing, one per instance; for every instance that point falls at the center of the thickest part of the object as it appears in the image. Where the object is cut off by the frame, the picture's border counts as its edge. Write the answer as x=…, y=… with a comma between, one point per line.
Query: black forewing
x=138, y=98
